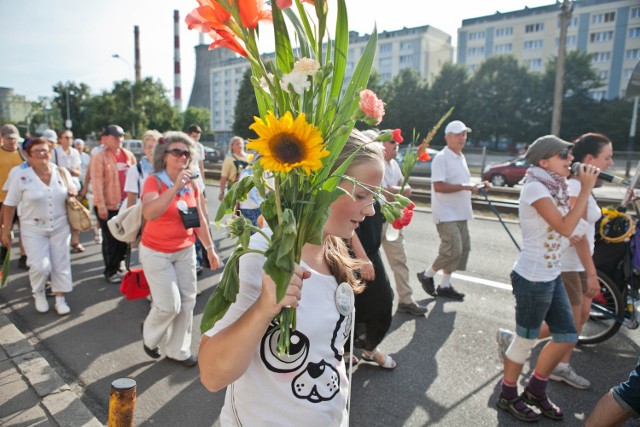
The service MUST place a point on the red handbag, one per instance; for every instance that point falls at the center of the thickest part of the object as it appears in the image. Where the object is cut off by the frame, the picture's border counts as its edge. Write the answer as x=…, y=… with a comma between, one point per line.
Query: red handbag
x=134, y=285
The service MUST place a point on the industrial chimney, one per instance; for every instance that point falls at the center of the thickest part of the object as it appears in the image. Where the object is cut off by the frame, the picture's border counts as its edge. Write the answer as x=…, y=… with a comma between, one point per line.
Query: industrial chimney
x=177, y=86
x=136, y=38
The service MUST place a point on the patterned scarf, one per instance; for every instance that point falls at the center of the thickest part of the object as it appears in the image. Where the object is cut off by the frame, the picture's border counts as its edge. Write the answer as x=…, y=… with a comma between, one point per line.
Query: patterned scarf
x=164, y=177
x=556, y=184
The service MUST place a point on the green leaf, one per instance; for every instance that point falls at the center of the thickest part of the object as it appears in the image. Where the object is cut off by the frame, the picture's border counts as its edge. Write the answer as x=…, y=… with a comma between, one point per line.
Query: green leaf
x=224, y=295
x=340, y=50
x=236, y=193
x=280, y=262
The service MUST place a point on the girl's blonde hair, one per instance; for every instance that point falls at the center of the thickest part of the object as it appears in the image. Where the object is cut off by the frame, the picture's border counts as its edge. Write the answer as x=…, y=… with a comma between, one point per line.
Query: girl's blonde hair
x=336, y=252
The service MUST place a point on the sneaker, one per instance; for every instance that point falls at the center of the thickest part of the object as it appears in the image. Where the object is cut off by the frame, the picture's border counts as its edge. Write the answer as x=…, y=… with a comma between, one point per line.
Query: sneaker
x=449, y=292
x=569, y=376
x=114, y=278
x=42, y=305
x=62, y=308
x=504, y=337
x=412, y=308
x=22, y=262
x=427, y=284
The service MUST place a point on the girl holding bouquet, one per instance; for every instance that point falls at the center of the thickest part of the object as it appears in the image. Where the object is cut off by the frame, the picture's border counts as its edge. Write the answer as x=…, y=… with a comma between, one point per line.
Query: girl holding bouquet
x=309, y=385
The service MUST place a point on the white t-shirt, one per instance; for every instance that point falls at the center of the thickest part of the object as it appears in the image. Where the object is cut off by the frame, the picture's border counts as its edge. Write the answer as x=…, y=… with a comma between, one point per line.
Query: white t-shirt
x=542, y=246
x=42, y=207
x=570, y=260
x=451, y=168
x=392, y=174
x=84, y=164
x=286, y=391
x=71, y=160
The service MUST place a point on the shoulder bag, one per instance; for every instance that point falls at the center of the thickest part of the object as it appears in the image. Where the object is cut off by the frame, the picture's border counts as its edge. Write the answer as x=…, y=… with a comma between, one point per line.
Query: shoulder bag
x=79, y=216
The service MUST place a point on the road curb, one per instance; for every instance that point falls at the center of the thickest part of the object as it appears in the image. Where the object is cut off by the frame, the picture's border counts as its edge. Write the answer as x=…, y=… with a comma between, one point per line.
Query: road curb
x=55, y=399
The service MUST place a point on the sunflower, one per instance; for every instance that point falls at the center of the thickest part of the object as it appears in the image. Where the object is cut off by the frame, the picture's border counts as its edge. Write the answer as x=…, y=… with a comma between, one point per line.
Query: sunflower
x=286, y=144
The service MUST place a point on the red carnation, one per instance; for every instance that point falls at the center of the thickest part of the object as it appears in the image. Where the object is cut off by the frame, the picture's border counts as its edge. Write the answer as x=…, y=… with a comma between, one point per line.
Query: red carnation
x=397, y=135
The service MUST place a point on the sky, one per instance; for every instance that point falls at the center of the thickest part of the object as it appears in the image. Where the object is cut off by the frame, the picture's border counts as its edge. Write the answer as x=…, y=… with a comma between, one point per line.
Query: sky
x=43, y=42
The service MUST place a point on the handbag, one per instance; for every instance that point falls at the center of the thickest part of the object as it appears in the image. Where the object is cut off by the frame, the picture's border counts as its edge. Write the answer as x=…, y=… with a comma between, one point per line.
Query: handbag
x=134, y=284
x=79, y=216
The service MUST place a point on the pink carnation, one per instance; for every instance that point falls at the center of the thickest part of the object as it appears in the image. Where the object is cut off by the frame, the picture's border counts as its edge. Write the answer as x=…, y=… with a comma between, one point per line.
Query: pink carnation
x=371, y=105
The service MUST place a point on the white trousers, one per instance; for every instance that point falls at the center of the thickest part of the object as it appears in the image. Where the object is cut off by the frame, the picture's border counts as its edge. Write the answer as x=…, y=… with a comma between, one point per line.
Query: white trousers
x=173, y=284
x=48, y=254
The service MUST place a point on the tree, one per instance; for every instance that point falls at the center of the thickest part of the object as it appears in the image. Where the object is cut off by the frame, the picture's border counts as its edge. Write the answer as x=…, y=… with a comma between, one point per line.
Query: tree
x=246, y=108
x=501, y=89
x=77, y=96
x=197, y=116
x=405, y=100
x=449, y=89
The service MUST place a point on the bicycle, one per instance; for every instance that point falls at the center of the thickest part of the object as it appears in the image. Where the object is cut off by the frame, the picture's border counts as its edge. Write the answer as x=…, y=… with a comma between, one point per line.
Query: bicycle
x=616, y=303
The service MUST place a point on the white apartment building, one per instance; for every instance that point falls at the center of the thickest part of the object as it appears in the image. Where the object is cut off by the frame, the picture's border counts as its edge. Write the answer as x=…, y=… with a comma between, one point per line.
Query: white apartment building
x=219, y=72
x=607, y=29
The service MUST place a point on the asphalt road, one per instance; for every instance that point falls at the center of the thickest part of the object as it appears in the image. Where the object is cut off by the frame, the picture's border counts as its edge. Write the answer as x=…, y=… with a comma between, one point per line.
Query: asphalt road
x=448, y=370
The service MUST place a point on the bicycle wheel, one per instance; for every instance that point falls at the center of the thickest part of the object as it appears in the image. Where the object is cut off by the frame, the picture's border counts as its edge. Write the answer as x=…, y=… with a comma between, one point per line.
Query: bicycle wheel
x=602, y=323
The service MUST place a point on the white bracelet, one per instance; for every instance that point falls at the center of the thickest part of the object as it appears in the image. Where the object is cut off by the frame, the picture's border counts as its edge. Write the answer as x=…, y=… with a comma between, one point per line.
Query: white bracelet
x=209, y=247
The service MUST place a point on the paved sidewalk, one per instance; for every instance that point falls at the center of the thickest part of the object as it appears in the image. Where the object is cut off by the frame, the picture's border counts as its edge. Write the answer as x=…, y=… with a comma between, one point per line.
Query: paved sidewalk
x=31, y=392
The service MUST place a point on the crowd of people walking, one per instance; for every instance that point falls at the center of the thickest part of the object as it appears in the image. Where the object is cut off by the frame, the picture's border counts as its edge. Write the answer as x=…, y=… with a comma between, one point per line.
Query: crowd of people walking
x=553, y=279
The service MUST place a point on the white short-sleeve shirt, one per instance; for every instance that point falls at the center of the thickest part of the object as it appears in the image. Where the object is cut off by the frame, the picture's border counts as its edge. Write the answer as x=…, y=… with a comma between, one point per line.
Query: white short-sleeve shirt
x=451, y=168
x=307, y=388
x=42, y=207
x=71, y=160
x=392, y=174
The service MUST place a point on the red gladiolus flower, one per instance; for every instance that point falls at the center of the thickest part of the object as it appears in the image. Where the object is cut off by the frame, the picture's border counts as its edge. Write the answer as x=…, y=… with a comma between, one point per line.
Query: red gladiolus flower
x=424, y=155
x=252, y=12
x=397, y=135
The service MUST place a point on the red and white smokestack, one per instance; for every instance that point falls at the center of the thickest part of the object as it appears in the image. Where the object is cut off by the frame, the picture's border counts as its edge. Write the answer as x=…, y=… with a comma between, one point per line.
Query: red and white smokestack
x=177, y=85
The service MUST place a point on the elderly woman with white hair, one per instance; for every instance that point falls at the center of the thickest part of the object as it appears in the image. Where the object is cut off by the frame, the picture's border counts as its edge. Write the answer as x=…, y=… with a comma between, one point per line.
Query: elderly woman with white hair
x=85, y=158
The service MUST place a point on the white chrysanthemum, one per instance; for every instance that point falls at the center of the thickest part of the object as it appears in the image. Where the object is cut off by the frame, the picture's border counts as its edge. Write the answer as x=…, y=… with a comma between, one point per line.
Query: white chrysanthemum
x=298, y=81
x=264, y=82
x=307, y=66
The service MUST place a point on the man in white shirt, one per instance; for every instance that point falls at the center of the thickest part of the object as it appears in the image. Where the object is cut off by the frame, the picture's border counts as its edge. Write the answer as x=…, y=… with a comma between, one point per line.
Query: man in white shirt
x=451, y=189
x=394, y=249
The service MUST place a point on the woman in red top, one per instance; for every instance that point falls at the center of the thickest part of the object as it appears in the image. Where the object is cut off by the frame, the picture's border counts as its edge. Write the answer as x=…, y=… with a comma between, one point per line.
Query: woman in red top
x=167, y=249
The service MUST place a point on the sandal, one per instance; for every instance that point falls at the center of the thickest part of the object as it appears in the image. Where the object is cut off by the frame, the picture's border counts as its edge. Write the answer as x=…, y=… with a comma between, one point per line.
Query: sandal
x=550, y=410
x=354, y=359
x=526, y=415
x=389, y=363
x=77, y=247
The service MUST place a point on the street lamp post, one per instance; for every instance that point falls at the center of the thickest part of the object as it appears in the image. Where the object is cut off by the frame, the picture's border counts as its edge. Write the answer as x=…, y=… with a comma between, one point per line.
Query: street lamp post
x=68, y=123
x=133, y=125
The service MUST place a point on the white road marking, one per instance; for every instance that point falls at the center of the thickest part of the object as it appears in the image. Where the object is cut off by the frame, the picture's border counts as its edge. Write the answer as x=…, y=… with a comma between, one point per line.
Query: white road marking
x=485, y=282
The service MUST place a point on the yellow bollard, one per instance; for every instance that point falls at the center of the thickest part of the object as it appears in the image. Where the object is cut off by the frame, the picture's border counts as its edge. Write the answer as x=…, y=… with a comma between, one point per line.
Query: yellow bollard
x=122, y=402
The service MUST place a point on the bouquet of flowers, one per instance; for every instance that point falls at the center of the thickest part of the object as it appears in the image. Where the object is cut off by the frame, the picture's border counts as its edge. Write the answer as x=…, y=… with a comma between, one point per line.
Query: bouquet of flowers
x=306, y=116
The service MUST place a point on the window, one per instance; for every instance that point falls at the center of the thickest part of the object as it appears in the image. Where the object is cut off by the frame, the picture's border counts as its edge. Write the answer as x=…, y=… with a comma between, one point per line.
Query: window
x=634, y=33
x=532, y=44
x=626, y=74
x=598, y=95
x=385, y=48
x=476, y=51
x=603, y=74
x=385, y=62
x=603, y=17
x=406, y=59
x=534, y=64
x=504, y=48
x=602, y=36
x=635, y=12
x=572, y=40
x=633, y=54
x=476, y=35
x=534, y=28
x=473, y=68
x=601, y=57
x=406, y=46
x=503, y=32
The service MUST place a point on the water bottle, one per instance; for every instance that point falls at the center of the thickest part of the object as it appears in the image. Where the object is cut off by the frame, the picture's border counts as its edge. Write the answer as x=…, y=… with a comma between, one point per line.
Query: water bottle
x=392, y=233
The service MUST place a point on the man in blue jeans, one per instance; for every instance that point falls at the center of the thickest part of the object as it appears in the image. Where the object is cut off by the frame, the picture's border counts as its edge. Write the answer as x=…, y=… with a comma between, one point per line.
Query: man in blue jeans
x=619, y=404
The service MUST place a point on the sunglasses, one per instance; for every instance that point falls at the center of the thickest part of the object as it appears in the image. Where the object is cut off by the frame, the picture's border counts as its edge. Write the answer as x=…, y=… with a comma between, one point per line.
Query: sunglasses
x=176, y=152
x=564, y=154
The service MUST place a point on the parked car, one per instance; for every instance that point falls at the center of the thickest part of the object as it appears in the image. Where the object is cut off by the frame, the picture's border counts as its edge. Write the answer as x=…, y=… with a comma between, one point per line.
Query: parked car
x=506, y=173
x=420, y=168
x=133, y=145
x=212, y=155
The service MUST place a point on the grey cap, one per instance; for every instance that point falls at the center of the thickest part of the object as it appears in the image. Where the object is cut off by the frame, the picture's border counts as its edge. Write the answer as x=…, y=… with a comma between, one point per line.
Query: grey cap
x=50, y=135
x=9, y=131
x=545, y=147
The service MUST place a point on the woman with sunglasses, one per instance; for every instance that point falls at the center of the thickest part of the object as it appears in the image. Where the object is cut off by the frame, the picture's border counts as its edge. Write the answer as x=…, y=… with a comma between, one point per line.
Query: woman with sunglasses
x=546, y=220
x=171, y=206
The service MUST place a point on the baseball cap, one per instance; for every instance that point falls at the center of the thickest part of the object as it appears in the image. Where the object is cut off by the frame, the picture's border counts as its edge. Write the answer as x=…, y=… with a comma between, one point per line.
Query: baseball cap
x=9, y=131
x=113, y=130
x=456, y=126
x=50, y=135
x=545, y=147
